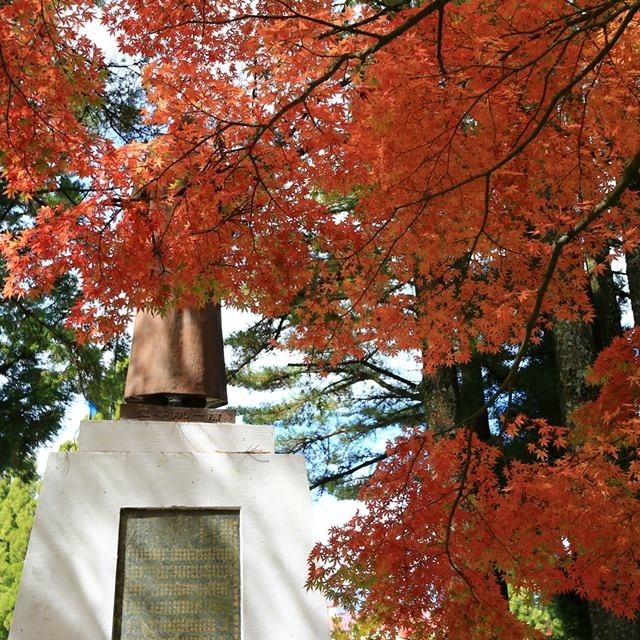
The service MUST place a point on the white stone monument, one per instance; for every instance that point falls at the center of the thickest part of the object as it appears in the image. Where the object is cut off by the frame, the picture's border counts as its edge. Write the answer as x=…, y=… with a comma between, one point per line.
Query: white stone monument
x=98, y=567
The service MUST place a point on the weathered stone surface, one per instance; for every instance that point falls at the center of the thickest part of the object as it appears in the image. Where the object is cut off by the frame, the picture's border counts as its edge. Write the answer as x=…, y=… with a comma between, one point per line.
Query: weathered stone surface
x=68, y=584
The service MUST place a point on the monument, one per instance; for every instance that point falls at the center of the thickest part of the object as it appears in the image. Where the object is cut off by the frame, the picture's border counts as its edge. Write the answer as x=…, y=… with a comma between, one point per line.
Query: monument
x=173, y=522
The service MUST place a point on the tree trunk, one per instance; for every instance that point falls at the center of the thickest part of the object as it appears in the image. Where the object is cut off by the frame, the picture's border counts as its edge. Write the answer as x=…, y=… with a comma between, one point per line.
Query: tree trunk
x=471, y=410
x=604, y=297
x=606, y=626
x=574, y=353
x=633, y=278
x=439, y=394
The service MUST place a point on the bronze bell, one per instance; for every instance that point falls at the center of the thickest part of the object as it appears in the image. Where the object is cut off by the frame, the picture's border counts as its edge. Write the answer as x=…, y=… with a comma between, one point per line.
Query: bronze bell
x=178, y=359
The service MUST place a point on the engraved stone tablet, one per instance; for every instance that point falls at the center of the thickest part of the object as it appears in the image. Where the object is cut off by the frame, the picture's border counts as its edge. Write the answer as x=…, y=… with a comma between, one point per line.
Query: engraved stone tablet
x=178, y=575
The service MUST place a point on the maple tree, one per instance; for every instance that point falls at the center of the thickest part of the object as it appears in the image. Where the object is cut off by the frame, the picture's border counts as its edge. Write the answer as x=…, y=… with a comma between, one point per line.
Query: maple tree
x=41, y=364
x=442, y=177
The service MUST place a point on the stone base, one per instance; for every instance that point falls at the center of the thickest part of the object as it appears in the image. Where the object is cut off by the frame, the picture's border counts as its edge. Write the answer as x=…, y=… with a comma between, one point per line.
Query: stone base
x=68, y=584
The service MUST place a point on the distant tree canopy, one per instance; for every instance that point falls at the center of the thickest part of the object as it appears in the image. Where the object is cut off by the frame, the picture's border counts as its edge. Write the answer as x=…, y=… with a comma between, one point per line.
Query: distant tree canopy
x=17, y=508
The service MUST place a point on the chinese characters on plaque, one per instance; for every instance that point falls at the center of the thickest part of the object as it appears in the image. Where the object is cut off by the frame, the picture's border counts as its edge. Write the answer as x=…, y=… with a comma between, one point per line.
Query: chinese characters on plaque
x=178, y=575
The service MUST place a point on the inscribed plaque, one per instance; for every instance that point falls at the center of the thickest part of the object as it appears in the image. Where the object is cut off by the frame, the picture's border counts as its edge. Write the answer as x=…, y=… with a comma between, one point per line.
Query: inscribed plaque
x=178, y=575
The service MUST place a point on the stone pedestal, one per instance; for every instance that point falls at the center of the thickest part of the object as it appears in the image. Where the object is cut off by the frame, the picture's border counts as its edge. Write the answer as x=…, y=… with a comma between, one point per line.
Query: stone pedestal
x=255, y=500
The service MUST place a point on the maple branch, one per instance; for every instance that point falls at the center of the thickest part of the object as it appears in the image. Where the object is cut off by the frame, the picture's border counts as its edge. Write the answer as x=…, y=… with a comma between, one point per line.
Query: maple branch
x=628, y=178
x=426, y=198
x=555, y=99
x=521, y=146
x=411, y=22
x=334, y=29
x=439, y=39
x=353, y=28
x=12, y=85
x=338, y=63
x=361, y=55
x=454, y=507
x=481, y=231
